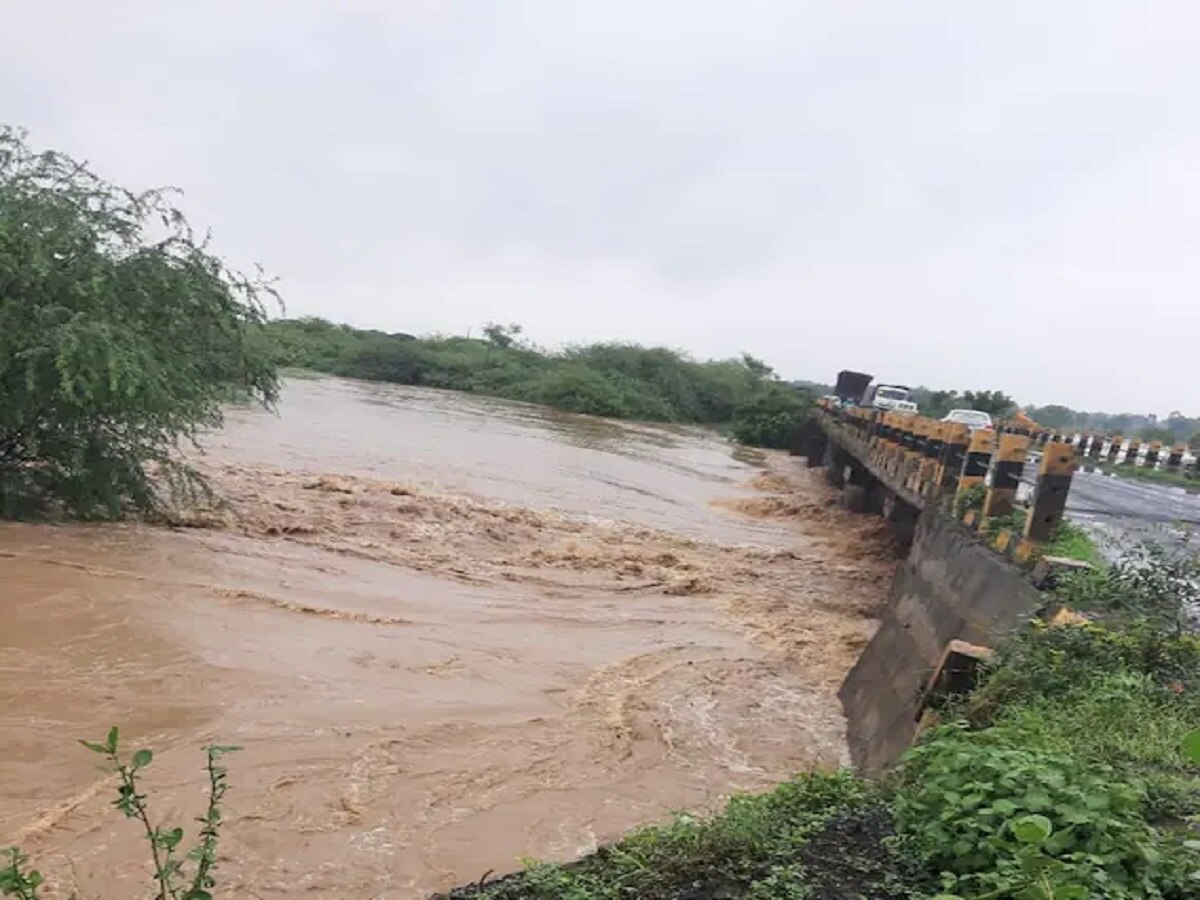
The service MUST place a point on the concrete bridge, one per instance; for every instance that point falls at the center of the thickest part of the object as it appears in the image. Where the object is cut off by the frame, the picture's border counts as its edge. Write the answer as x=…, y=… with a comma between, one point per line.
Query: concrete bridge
x=902, y=464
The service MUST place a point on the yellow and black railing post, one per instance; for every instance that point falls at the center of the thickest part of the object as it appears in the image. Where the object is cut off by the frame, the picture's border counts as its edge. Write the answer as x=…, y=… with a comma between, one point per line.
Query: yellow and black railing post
x=908, y=441
x=912, y=456
x=1175, y=459
x=1152, y=454
x=1007, y=465
x=1114, y=448
x=927, y=477
x=1049, y=499
x=975, y=466
x=955, y=438
x=1131, y=454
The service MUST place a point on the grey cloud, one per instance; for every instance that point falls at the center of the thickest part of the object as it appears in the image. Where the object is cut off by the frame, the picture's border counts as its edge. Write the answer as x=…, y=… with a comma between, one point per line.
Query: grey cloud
x=942, y=193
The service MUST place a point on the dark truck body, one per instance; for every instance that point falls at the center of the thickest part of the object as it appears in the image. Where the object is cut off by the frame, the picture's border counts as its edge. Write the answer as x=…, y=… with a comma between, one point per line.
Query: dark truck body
x=851, y=386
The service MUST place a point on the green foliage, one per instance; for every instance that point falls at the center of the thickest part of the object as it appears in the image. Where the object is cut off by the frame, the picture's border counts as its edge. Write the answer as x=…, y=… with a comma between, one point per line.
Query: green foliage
x=608, y=379
x=770, y=416
x=971, y=498
x=1148, y=582
x=1072, y=542
x=171, y=881
x=16, y=879
x=996, y=403
x=1185, y=477
x=973, y=803
x=120, y=334
x=501, y=336
x=1044, y=662
x=1156, y=433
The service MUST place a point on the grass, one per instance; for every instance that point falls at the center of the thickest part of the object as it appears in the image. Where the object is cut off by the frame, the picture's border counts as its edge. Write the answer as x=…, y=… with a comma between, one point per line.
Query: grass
x=1073, y=542
x=816, y=835
x=1181, y=478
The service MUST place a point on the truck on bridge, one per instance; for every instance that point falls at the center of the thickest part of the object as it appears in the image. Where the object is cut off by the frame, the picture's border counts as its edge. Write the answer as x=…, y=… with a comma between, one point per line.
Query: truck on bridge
x=856, y=389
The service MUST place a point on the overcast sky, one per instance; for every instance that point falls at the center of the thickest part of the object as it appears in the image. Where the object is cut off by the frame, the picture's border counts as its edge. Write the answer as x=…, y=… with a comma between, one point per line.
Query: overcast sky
x=958, y=194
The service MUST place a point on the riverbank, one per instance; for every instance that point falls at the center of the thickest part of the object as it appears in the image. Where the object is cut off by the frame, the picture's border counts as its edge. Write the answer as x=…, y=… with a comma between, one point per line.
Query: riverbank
x=741, y=396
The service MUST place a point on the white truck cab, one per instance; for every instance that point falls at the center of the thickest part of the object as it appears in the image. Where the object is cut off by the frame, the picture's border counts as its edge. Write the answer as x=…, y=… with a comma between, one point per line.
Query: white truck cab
x=893, y=397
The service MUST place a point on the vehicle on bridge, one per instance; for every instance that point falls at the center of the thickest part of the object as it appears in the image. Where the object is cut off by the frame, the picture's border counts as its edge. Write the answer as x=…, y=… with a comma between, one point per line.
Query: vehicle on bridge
x=974, y=419
x=894, y=397
x=856, y=389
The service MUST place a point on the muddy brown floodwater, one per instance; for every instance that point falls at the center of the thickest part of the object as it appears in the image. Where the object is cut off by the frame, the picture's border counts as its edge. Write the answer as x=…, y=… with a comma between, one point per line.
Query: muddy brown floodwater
x=449, y=632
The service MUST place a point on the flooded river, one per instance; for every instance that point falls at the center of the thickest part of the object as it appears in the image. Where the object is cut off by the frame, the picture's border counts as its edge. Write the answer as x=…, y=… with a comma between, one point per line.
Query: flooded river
x=448, y=632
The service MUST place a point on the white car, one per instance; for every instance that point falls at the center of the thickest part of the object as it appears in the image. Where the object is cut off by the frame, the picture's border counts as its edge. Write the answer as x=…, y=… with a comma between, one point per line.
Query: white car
x=972, y=418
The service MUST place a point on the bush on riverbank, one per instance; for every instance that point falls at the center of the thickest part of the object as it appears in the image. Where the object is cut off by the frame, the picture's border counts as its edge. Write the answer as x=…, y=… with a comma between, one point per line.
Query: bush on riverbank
x=617, y=380
x=1072, y=771
x=120, y=335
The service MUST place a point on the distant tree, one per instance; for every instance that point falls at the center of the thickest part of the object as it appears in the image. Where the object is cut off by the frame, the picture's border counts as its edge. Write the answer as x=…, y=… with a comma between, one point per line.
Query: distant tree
x=120, y=335
x=1194, y=441
x=501, y=336
x=997, y=403
x=1157, y=434
x=1053, y=416
x=940, y=403
x=757, y=367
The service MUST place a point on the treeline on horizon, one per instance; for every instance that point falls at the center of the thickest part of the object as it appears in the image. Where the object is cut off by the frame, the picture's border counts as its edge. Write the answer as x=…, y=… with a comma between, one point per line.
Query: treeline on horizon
x=648, y=383
x=655, y=384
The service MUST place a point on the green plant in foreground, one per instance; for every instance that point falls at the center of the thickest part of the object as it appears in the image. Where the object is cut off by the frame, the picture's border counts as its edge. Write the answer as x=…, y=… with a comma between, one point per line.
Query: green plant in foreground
x=170, y=880
x=1039, y=877
x=963, y=791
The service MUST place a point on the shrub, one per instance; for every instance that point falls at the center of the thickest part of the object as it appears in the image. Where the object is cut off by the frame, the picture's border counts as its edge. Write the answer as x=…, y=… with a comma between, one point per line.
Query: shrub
x=962, y=792
x=1045, y=661
x=120, y=335
x=1149, y=582
x=770, y=416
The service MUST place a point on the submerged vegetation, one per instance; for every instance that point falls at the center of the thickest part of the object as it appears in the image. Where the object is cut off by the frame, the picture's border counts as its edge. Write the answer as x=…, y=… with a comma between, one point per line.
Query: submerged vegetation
x=618, y=380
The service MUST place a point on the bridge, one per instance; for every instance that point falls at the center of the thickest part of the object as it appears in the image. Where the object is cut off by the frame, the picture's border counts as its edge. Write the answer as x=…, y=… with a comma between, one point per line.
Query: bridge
x=980, y=511
x=901, y=464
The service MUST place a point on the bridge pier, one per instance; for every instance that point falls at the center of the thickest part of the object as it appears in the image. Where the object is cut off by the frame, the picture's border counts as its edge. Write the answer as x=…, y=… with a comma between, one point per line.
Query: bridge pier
x=860, y=488
x=900, y=515
x=816, y=444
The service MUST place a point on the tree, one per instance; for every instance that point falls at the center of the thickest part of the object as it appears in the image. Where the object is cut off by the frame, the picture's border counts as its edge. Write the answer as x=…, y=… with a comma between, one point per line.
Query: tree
x=757, y=367
x=938, y=403
x=120, y=336
x=997, y=403
x=1163, y=435
x=1054, y=415
x=501, y=336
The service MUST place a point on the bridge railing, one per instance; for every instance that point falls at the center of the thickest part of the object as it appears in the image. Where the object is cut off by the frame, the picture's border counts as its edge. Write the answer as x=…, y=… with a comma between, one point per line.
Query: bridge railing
x=1107, y=452
x=977, y=476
